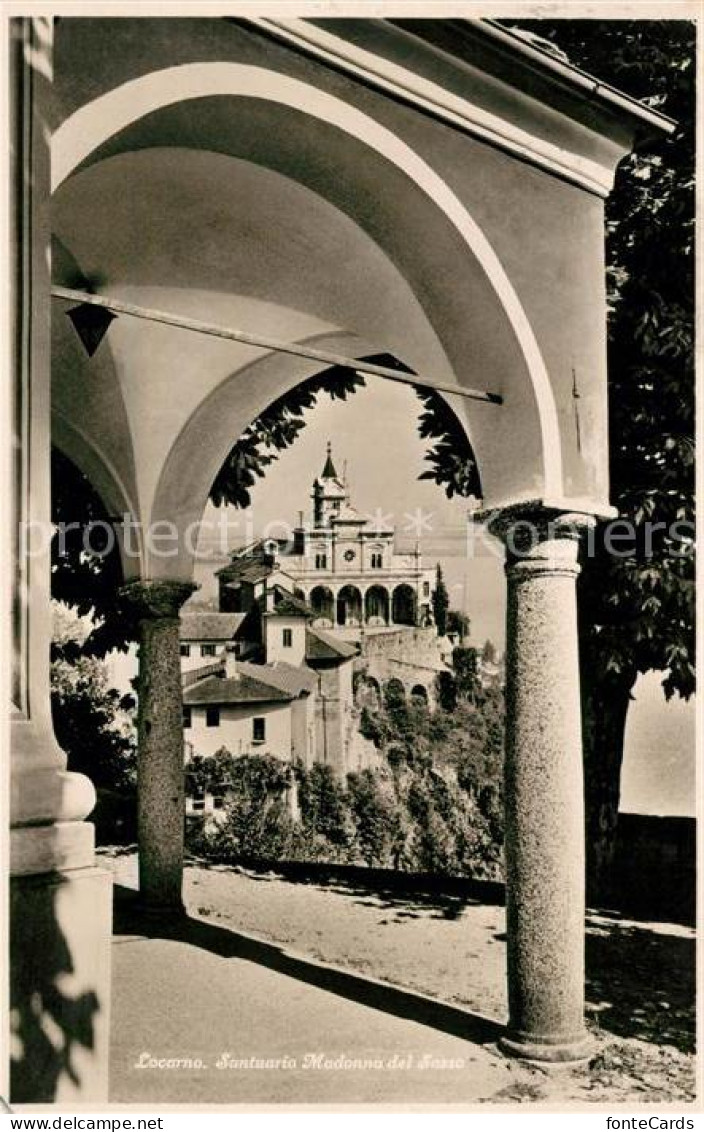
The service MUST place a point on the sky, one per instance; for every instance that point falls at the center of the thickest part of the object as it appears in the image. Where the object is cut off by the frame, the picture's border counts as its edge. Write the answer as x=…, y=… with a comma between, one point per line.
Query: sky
x=375, y=434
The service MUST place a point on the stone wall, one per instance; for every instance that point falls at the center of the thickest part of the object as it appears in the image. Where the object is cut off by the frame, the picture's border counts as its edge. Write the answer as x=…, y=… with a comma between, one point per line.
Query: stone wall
x=412, y=655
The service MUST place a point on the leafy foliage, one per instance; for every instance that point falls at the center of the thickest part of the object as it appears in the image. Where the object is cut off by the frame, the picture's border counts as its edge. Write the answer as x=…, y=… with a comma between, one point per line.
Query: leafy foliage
x=466, y=666
x=453, y=465
x=458, y=623
x=274, y=431
x=258, y=821
x=441, y=602
x=280, y=424
x=91, y=720
x=446, y=689
x=323, y=806
x=86, y=570
x=375, y=813
x=211, y=774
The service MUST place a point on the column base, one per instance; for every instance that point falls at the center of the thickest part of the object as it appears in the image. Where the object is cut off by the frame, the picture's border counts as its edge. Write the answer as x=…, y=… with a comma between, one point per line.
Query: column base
x=567, y=1053
x=60, y=935
x=42, y=849
x=159, y=910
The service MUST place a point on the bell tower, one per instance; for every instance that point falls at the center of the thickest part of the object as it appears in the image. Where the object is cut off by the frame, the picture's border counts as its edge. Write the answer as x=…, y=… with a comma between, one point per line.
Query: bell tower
x=329, y=493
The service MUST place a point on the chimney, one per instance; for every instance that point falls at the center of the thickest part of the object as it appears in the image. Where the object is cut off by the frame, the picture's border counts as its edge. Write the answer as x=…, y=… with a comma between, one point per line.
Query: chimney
x=230, y=656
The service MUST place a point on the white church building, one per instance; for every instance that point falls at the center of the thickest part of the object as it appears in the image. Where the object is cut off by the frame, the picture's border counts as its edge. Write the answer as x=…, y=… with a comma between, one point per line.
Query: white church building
x=344, y=564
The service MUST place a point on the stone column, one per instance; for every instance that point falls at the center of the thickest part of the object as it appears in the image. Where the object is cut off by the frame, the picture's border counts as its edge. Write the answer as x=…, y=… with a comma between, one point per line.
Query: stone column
x=545, y=861
x=59, y=901
x=155, y=607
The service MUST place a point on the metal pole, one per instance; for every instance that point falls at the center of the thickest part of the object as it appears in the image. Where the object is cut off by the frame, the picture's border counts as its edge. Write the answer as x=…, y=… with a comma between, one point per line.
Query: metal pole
x=265, y=343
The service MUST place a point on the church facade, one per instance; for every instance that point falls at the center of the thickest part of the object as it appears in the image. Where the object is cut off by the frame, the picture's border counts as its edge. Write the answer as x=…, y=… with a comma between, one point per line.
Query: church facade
x=344, y=564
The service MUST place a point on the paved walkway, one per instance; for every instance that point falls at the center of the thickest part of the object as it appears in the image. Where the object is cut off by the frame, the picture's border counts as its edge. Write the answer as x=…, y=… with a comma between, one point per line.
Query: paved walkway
x=195, y=1002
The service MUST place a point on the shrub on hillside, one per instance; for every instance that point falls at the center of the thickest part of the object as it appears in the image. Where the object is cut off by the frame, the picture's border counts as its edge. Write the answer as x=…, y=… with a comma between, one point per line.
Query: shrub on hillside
x=258, y=821
x=323, y=808
x=379, y=833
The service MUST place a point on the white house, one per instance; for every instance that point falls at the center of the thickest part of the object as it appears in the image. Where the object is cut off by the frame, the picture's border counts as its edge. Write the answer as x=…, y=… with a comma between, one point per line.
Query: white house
x=275, y=685
x=204, y=636
x=250, y=708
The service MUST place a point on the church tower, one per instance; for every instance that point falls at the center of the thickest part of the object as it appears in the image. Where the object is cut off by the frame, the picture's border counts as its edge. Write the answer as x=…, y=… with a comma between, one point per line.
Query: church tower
x=329, y=493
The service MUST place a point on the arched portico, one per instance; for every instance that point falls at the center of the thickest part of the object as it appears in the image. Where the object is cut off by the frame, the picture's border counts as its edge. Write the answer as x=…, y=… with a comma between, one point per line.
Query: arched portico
x=368, y=692
x=404, y=605
x=246, y=129
x=394, y=691
x=322, y=602
x=233, y=190
x=104, y=136
x=349, y=610
x=376, y=606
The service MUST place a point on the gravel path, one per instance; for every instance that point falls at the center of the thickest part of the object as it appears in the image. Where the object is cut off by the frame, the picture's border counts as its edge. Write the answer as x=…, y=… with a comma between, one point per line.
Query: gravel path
x=640, y=976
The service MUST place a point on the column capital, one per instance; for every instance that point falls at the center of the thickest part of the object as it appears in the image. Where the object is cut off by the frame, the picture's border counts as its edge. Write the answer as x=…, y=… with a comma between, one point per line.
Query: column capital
x=537, y=522
x=157, y=600
x=539, y=539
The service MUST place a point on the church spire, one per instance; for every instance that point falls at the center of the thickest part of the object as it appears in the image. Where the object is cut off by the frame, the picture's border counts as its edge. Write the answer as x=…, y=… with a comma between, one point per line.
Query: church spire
x=329, y=472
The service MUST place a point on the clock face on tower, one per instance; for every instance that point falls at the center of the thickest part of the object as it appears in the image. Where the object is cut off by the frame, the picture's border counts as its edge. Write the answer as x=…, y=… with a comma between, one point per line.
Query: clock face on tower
x=349, y=556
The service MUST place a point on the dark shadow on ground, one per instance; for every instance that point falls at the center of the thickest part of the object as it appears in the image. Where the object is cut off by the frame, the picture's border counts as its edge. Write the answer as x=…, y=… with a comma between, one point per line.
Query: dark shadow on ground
x=443, y=896
x=113, y=851
x=132, y=919
x=640, y=978
x=641, y=982
x=408, y=895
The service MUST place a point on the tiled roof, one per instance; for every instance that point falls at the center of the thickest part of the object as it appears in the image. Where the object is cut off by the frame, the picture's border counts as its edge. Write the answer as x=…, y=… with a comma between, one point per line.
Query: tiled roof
x=242, y=689
x=263, y=683
x=325, y=646
x=287, y=604
x=197, y=626
x=286, y=677
x=193, y=675
x=246, y=570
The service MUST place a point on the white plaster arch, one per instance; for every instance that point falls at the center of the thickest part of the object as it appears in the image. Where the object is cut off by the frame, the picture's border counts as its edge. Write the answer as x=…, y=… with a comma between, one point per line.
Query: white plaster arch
x=90, y=127
x=91, y=385
x=192, y=466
